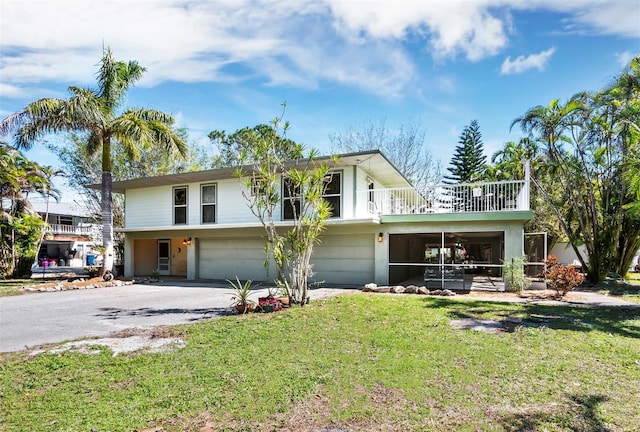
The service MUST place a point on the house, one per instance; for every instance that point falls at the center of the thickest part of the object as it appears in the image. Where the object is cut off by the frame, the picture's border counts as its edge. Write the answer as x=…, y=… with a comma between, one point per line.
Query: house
x=197, y=225
x=69, y=237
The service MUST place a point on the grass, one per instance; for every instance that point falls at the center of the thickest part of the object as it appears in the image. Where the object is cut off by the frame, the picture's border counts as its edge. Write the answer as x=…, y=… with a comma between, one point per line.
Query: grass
x=628, y=290
x=357, y=362
x=10, y=287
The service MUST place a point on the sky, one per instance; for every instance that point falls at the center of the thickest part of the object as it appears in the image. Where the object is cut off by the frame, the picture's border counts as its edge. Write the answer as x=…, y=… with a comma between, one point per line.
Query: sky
x=228, y=64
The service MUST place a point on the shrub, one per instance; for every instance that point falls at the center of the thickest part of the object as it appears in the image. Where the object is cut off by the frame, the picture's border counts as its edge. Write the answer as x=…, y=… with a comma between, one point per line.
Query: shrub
x=562, y=278
x=92, y=271
x=515, y=279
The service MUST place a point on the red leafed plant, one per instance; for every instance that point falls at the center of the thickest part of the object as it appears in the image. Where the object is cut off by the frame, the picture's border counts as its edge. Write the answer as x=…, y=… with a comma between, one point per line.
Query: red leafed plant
x=269, y=304
x=562, y=278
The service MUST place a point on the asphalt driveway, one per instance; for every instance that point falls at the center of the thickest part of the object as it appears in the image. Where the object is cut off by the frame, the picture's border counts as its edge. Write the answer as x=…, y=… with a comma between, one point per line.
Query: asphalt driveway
x=32, y=319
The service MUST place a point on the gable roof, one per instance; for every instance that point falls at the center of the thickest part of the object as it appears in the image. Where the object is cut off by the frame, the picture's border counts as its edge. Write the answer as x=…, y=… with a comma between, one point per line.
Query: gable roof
x=373, y=162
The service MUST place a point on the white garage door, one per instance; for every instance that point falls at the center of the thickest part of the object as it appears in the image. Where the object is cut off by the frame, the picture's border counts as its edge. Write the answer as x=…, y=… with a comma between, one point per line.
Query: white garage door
x=225, y=258
x=345, y=259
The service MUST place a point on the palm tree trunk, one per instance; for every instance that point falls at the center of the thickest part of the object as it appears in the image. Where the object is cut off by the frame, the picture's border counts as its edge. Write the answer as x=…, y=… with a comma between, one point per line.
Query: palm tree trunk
x=107, y=221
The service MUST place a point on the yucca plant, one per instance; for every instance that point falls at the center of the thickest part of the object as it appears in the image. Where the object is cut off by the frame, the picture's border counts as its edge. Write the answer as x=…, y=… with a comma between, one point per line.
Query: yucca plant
x=242, y=291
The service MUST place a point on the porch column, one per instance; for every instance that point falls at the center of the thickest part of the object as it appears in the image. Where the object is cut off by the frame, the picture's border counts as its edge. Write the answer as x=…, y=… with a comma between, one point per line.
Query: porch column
x=128, y=256
x=381, y=258
x=513, y=242
x=192, y=259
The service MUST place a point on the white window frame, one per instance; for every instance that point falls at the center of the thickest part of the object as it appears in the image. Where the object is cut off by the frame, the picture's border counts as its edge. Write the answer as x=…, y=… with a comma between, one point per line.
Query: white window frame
x=175, y=206
x=325, y=195
x=65, y=220
x=291, y=199
x=214, y=203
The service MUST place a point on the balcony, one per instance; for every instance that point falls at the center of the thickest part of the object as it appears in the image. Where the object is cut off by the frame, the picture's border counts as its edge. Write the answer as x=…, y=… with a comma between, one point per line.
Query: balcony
x=504, y=196
x=84, y=229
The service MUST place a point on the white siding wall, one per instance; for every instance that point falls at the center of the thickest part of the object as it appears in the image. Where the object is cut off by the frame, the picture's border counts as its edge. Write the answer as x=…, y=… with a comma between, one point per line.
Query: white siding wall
x=153, y=207
x=362, y=184
x=348, y=192
x=149, y=207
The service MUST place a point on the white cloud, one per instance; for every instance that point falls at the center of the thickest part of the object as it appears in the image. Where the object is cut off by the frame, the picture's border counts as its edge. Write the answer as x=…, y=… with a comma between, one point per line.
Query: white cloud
x=625, y=58
x=611, y=17
x=292, y=43
x=522, y=63
x=451, y=27
x=283, y=43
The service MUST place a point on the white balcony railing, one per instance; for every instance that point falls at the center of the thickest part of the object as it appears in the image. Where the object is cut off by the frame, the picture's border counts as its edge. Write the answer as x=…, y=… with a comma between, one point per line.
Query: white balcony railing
x=79, y=230
x=457, y=198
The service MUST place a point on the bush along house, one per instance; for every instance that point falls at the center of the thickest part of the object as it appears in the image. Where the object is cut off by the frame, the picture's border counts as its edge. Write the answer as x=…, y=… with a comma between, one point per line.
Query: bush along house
x=198, y=226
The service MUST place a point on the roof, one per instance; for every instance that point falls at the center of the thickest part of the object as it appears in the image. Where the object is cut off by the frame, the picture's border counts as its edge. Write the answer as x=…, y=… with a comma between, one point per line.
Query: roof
x=60, y=208
x=372, y=162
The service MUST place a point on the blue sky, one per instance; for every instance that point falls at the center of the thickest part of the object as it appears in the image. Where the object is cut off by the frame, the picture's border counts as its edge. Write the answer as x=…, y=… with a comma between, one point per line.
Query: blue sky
x=337, y=64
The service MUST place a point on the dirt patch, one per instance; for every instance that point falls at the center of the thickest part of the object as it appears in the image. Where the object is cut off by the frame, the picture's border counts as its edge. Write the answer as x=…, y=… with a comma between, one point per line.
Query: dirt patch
x=127, y=341
x=487, y=326
x=530, y=295
x=79, y=284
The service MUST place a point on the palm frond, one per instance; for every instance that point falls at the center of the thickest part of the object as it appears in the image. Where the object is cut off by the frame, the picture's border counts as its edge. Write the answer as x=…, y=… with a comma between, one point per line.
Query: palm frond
x=115, y=77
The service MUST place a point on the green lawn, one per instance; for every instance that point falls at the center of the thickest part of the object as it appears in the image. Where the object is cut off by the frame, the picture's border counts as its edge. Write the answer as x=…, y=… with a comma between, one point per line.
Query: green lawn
x=356, y=362
x=629, y=290
x=9, y=287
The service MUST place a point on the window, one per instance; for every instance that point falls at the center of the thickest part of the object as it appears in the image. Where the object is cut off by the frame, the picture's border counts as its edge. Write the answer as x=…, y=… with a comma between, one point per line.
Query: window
x=258, y=186
x=371, y=186
x=333, y=192
x=208, y=200
x=65, y=220
x=290, y=200
x=180, y=206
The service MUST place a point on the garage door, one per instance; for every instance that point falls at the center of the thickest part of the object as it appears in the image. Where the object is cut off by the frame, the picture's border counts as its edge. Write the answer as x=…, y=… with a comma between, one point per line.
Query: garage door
x=227, y=257
x=347, y=259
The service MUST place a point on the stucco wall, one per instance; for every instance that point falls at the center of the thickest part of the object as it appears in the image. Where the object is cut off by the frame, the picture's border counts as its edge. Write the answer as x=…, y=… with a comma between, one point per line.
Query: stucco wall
x=145, y=256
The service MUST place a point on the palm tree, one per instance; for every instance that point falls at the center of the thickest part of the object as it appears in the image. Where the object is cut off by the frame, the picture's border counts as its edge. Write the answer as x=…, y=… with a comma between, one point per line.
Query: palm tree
x=18, y=177
x=97, y=113
x=509, y=161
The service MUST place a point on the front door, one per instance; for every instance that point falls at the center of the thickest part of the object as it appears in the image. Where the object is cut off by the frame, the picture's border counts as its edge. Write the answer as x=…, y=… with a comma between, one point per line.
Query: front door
x=164, y=257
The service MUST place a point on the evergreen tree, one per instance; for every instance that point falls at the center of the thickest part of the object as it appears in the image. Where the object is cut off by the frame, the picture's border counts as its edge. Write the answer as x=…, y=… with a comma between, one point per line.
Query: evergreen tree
x=468, y=161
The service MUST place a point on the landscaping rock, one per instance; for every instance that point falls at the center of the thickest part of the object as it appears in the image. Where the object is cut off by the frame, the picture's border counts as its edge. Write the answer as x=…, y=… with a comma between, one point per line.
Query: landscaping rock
x=436, y=292
x=370, y=287
x=411, y=289
x=398, y=289
x=382, y=289
x=448, y=293
x=423, y=290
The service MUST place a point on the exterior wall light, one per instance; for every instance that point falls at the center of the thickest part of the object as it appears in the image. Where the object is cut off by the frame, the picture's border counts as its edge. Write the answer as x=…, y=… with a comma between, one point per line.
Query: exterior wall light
x=380, y=237
x=187, y=241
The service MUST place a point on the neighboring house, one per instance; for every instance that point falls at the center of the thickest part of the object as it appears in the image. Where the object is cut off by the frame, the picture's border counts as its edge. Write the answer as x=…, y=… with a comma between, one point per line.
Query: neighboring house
x=69, y=237
x=197, y=225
